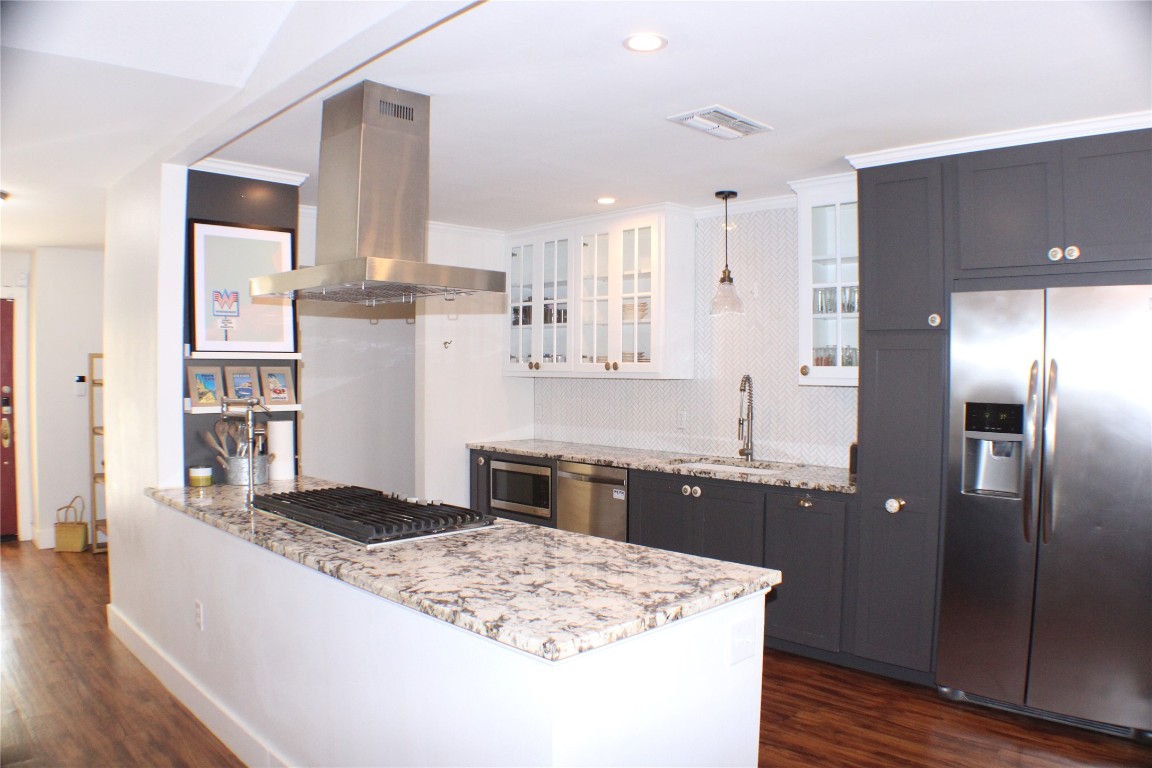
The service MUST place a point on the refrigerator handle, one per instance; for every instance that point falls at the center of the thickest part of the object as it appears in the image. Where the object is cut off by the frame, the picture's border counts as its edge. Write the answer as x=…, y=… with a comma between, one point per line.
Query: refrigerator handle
x=1047, y=512
x=1030, y=497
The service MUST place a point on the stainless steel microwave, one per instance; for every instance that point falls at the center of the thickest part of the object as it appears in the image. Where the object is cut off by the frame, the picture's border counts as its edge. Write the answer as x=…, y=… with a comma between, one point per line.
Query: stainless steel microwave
x=523, y=488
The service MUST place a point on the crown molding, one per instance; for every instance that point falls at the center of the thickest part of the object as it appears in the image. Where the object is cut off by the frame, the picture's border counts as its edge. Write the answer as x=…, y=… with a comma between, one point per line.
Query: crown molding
x=1114, y=124
x=247, y=171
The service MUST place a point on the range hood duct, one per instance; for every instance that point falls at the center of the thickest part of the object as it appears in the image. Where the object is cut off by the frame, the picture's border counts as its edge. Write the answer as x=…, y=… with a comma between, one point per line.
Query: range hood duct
x=372, y=213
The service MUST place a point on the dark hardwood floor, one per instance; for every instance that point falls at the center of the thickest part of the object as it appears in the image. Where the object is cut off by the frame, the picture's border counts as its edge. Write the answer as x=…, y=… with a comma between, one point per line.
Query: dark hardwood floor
x=74, y=696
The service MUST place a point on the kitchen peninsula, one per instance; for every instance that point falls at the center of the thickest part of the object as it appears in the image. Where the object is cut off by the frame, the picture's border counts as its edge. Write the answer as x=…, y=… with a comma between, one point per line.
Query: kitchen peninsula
x=506, y=645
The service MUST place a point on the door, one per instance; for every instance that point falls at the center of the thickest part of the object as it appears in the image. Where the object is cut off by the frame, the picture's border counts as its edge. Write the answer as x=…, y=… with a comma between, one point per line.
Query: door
x=901, y=431
x=990, y=533
x=902, y=247
x=8, y=519
x=1092, y=635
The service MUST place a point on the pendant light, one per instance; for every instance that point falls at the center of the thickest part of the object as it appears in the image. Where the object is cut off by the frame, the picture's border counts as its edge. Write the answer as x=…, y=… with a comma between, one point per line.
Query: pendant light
x=726, y=301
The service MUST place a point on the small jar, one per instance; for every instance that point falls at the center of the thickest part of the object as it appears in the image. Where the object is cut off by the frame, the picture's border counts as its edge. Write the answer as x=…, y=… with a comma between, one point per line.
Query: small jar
x=199, y=477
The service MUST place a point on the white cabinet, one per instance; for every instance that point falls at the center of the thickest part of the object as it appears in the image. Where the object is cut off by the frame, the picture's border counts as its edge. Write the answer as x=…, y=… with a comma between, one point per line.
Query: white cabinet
x=604, y=297
x=539, y=273
x=829, y=272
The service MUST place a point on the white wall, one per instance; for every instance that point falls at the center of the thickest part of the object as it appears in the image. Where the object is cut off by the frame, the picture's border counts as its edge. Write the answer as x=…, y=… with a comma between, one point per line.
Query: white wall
x=143, y=398
x=462, y=394
x=66, y=307
x=15, y=273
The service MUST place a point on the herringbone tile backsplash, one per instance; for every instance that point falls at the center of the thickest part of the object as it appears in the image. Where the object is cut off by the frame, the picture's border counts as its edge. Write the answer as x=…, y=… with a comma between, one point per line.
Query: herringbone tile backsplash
x=808, y=425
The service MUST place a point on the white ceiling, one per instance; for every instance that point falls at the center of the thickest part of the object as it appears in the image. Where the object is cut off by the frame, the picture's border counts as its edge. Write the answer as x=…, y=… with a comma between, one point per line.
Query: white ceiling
x=537, y=109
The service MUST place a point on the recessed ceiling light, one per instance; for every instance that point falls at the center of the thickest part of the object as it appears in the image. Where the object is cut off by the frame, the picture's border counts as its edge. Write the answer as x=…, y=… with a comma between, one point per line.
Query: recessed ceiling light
x=606, y=200
x=645, y=42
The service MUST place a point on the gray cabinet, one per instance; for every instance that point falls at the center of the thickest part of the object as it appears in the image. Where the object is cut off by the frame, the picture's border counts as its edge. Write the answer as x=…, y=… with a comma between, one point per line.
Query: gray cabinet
x=901, y=438
x=804, y=540
x=702, y=517
x=901, y=413
x=1075, y=205
x=902, y=246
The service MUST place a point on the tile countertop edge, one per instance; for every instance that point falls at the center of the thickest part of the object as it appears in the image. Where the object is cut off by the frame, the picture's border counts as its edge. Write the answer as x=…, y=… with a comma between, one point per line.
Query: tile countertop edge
x=383, y=573
x=800, y=476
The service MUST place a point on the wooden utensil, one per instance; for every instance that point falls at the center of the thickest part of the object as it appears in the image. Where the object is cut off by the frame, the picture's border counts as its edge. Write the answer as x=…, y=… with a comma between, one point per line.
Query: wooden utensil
x=213, y=443
x=221, y=429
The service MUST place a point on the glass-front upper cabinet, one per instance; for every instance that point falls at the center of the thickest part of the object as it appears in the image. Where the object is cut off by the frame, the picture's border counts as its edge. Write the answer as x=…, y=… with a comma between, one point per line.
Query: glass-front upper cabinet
x=611, y=296
x=538, y=275
x=829, y=272
x=619, y=271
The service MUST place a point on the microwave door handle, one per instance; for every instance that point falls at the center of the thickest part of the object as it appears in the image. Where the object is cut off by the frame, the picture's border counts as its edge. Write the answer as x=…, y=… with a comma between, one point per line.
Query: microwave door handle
x=1048, y=474
x=1029, y=498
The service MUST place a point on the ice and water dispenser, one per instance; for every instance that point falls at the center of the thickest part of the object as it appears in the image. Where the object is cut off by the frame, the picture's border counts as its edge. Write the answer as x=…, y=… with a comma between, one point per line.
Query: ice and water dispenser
x=993, y=449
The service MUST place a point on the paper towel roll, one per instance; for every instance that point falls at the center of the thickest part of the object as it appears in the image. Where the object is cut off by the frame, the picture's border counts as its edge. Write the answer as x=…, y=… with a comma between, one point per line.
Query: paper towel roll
x=282, y=442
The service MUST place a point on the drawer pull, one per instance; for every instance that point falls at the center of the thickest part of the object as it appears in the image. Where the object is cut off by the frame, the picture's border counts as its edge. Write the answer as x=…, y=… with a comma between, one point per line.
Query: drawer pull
x=894, y=505
x=686, y=490
x=695, y=491
x=805, y=503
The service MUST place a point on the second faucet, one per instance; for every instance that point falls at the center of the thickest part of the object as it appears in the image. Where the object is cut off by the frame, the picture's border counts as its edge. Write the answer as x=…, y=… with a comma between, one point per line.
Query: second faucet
x=745, y=424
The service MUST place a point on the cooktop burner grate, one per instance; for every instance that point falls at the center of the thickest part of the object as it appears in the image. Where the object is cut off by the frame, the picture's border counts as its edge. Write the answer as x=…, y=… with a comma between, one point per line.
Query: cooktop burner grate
x=368, y=516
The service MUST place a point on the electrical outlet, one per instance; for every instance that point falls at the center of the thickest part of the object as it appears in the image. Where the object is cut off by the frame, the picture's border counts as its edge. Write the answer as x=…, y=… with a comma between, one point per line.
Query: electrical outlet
x=199, y=614
x=682, y=421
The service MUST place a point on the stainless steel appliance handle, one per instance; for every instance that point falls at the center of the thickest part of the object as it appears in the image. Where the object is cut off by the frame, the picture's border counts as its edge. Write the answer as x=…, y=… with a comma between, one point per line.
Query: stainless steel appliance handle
x=590, y=478
x=1029, y=496
x=1047, y=512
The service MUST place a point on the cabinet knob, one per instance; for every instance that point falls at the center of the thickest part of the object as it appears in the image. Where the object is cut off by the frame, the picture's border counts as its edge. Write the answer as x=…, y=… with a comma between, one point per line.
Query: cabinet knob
x=615, y=366
x=1071, y=253
x=529, y=365
x=686, y=490
x=1055, y=254
x=536, y=366
x=934, y=320
x=804, y=503
x=480, y=460
x=695, y=491
x=804, y=370
x=894, y=505
x=607, y=366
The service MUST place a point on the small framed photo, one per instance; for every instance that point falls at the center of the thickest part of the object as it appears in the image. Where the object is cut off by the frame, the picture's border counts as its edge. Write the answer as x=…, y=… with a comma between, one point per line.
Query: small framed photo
x=205, y=385
x=276, y=381
x=242, y=381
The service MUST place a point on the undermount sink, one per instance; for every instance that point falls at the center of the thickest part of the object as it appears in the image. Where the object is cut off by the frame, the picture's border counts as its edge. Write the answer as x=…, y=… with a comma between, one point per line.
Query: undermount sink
x=755, y=468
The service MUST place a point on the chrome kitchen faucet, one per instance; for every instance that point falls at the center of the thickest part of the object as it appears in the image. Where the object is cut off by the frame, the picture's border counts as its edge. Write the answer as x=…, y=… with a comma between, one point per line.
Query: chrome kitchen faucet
x=744, y=432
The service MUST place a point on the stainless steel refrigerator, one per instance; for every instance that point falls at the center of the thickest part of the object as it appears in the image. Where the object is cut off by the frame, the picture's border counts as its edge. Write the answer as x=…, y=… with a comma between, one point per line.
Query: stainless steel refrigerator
x=1046, y=592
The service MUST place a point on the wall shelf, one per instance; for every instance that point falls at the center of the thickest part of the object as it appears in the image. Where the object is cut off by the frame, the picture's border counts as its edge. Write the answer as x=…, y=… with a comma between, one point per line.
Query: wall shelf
x=242, y=356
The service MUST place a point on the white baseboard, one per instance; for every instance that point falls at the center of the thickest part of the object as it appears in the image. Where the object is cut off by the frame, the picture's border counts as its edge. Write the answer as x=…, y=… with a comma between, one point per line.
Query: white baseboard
x=215, y=716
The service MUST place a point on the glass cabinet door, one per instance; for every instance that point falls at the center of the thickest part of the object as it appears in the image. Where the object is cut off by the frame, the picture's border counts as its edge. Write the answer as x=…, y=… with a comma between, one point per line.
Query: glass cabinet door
x=520, y=292
x=595, y=283
x=555, y=302
x=829, y=271
x=636, y=296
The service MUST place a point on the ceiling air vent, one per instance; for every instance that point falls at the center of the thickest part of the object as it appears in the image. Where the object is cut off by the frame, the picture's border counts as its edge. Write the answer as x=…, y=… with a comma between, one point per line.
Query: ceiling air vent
x=720, y=122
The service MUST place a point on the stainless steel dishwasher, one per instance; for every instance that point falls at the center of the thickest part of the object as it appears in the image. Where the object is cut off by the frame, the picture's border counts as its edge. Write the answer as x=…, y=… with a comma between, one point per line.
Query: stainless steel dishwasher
x=592, y=499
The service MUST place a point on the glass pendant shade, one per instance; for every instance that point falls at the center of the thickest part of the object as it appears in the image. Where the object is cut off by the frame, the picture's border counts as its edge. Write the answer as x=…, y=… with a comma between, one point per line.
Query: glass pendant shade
x=726, y=302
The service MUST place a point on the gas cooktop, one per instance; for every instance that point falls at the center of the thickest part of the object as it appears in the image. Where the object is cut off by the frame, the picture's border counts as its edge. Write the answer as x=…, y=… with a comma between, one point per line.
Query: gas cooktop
x=369, y=517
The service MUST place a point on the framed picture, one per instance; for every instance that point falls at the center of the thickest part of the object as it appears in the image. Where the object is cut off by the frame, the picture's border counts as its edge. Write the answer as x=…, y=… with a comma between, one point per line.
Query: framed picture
x=205, y=386
x=241, y=381
x=276, y=382
x=225, y=317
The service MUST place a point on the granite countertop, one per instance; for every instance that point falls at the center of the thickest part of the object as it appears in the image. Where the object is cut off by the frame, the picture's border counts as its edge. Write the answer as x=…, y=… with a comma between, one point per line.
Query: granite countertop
x=550, y=593
x=783, y=474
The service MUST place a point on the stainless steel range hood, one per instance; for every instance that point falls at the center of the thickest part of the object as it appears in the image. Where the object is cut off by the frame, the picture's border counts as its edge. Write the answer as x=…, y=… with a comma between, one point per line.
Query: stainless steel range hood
x=372, y=212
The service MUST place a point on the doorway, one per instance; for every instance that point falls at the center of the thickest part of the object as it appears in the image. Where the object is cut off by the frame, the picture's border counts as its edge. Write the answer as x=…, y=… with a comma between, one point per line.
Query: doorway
x=8, y=513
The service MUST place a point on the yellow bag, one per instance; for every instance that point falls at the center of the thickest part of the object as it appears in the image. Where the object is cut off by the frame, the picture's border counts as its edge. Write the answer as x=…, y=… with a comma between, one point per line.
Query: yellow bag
x=71, y=530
